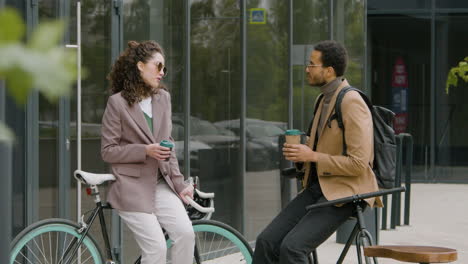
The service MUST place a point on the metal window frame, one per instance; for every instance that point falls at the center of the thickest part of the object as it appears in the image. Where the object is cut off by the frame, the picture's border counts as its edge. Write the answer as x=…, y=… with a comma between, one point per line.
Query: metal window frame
x=432, y=13
x=32, y=132
x=243, y=110
x=117, y=46
x=64, y=180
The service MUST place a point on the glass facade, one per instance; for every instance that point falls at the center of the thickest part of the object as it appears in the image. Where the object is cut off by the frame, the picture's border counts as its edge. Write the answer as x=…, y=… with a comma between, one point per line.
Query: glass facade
x=422, y=46
x=451, y=143
x=402, y=67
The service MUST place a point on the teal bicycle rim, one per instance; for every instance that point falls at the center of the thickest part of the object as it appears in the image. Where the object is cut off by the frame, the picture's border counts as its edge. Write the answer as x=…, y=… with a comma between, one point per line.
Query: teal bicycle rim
x=54, y=227
x=222, y=232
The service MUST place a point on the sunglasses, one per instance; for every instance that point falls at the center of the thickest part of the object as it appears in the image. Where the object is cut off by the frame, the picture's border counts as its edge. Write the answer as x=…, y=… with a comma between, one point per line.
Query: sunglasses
x=162, y=67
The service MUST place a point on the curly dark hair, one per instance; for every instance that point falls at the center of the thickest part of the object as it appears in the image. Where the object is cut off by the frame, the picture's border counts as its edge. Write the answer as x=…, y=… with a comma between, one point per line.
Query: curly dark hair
x=125, y=76
x=333, y=55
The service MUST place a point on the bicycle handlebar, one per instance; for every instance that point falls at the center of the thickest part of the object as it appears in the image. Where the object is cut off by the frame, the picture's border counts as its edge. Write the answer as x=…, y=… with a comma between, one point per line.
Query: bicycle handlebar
x=200, y=208
x=355, y=198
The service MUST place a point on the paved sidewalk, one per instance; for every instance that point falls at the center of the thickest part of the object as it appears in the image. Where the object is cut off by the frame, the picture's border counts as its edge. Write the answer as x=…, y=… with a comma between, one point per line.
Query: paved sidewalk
x=439, y=217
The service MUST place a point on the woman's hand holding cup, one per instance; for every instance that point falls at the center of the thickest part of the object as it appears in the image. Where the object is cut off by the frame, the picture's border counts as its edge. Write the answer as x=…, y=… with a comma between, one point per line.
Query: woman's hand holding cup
x=160, y=151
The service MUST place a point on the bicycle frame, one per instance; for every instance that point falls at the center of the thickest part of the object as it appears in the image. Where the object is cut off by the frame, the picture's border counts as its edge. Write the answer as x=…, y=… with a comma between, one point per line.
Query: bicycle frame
x=86, y=225
x=360, y=232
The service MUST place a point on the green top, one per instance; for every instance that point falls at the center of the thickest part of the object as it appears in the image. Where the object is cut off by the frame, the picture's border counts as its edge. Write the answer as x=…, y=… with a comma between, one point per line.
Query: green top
x=149, y=120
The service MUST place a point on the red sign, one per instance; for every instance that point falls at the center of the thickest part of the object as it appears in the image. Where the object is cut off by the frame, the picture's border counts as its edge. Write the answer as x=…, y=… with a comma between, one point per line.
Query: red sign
x=400, y=122
x=400, y=75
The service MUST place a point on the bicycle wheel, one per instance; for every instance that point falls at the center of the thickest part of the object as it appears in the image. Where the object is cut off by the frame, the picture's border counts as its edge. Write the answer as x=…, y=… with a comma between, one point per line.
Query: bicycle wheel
x=49, y=241
x=219, y=243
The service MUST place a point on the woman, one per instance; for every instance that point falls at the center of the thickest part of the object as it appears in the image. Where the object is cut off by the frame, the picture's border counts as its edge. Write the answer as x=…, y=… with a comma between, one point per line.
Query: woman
x=149, y=187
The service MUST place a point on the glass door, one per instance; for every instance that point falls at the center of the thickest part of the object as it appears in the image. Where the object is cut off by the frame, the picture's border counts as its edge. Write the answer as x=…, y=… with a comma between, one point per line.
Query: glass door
x=450, y=99
x=401, y=80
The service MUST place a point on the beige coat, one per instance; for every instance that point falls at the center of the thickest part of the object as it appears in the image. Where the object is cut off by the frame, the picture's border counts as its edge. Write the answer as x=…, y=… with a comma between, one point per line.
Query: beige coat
x=340, y=176
x=125, y=133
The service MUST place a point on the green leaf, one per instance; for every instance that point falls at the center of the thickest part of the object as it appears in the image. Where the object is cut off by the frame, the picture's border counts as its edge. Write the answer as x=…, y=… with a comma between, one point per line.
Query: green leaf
x=52, y=72
x=47, y=35
x=5, y=133
x=12, y=28
x=19, y=83
x=56, y=79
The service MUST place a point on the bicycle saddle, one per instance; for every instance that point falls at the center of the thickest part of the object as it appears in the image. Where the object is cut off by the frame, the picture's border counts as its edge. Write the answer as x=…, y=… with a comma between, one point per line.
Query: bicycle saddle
x=92, y=178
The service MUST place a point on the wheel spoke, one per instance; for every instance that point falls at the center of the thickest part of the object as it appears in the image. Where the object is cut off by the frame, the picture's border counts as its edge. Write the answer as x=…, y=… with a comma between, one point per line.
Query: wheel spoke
x=219, y=243
x=39, y=249
x=31, y=245
x=26, y=256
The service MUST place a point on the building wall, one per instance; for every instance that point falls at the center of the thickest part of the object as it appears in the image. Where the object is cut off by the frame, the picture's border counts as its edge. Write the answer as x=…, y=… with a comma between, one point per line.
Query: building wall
x=204, y=58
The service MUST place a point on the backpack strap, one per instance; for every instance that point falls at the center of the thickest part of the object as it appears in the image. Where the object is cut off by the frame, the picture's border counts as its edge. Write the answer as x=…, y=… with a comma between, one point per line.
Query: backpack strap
x=317, y=103
x=338, y=114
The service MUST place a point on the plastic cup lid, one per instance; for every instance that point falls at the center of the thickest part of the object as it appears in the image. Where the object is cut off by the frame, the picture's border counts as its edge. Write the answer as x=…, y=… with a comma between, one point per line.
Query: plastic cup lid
x=166, y=143
x=293, y=132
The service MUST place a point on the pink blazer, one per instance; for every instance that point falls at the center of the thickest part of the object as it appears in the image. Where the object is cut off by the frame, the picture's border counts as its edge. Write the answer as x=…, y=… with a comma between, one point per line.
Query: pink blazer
x=125, y=133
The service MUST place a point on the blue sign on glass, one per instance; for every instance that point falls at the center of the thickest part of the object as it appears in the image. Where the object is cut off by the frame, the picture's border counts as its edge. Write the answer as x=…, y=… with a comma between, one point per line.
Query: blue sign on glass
x=257, y=16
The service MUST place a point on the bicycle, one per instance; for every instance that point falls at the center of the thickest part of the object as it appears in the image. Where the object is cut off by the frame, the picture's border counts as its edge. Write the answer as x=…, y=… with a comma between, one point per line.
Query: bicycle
x=63, y=241
x=360, y=234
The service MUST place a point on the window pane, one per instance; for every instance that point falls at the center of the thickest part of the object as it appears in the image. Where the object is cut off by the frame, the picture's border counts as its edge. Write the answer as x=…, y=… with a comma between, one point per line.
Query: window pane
x=311, y=25
x=399, y=4
x=15, y=119
x=348, y=29
x=96, y=47
x=215, y=104
x=48, y=137
x=397, y=50
x=451, y=106
x=451, y=3
x=267, y=112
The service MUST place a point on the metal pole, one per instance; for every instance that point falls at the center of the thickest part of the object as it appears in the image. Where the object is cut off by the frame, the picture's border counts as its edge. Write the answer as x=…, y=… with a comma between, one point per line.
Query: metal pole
x=5, y=200
x=286, y=183
x=78, y=103
x=243, y=110
x=384, y=212
x=331, y=23
x=5, y=187
x=409, y=164
x=432, y=94
x=290, y=70
x=394, y=218
x=78, y=109
x=187, y=90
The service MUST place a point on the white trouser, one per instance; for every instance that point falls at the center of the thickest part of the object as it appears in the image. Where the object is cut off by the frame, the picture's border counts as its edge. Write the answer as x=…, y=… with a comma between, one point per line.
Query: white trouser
x=169, y=214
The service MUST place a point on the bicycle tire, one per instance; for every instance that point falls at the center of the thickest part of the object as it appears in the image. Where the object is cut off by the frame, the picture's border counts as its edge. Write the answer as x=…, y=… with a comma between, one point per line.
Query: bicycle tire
x=231, y=245
x=28, y=246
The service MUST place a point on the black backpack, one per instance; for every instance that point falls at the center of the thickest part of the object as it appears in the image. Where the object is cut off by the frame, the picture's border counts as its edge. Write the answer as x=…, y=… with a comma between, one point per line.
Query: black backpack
x=384, y=137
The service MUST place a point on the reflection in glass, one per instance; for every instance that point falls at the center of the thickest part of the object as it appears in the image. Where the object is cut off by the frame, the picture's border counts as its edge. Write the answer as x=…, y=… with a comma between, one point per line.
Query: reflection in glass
x=96, y=59
x=310, y=25
x=399, y=4
x=451, y=4
x=267, y=109
x=409, y=48
x=215, y=97
x=48, y=137
x=451, y=107
x=348, y=28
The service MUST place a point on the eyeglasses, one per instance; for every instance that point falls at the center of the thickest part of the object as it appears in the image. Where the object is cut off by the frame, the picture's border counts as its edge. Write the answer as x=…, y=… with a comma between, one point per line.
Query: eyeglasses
x=313, y=65
x=162, y=67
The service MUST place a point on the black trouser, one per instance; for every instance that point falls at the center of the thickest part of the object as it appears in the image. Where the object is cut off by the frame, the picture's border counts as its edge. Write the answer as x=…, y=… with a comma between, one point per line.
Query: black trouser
x=295, y=232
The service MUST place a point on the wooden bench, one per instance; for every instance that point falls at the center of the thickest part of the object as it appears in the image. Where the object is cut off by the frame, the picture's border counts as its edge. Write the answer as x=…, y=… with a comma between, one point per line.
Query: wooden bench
x=414, y=254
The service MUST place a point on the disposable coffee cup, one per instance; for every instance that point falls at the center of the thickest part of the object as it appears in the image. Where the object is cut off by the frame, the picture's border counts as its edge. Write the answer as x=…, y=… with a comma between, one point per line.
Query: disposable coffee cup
x=167, y=144
x=293, y=136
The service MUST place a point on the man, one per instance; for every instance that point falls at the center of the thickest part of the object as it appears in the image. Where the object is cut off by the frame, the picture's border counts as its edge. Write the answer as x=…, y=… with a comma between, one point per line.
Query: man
x=329, y=175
